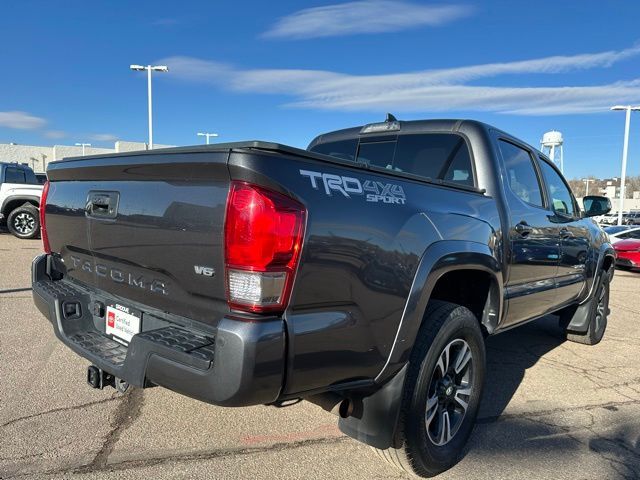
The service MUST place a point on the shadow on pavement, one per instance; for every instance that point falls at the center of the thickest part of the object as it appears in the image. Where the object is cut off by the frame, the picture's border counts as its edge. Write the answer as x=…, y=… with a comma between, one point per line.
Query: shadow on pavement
x=537, y=438
x=509, y=355
x=538, y=444
x=621, y=450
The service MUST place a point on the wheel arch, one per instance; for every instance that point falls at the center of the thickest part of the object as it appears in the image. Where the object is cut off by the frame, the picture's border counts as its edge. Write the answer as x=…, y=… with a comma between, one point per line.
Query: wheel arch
x=605, y=262
x=441, y=264
x=13, y=202
x=609, y=261
x=377, y=420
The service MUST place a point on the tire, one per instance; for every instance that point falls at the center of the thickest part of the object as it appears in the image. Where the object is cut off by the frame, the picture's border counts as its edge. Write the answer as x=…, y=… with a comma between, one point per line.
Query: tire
x=24, y=221
x=421, y=451
x=598, y=315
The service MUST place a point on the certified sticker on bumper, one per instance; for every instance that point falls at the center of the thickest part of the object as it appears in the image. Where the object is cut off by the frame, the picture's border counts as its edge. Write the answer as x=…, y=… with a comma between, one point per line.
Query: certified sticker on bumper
x=122, y=322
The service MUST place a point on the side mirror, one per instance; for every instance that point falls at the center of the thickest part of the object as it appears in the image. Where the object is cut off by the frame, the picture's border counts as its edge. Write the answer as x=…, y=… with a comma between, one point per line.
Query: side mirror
x=595, y=205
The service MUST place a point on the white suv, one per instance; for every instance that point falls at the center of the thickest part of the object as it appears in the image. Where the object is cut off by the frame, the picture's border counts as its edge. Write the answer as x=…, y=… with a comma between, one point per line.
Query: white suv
x=20, y=194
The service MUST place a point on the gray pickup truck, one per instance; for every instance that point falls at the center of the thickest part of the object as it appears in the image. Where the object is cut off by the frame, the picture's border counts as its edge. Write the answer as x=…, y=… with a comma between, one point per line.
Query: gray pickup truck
x=362, y=274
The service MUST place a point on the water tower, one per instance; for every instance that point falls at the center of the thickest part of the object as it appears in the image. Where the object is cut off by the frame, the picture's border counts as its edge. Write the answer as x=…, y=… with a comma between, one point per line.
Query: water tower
x=550, y=141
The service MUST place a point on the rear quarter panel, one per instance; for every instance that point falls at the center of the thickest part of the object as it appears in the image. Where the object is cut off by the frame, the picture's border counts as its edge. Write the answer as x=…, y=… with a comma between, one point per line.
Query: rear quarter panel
x=359, y=260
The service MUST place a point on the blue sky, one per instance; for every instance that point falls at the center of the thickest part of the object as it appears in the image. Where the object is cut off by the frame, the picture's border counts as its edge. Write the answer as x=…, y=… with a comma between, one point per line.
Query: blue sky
x=285, y=71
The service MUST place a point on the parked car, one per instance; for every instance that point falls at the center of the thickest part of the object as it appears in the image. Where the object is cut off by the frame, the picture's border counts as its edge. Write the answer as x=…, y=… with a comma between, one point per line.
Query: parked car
x=628, y=253
x=622, y=232
x=609, y=219
x=362, y=274
x=20, y=195
x=632, y=218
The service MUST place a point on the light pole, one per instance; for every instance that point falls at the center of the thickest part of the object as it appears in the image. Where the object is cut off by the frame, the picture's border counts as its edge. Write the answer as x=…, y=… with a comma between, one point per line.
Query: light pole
x=207, y=135
x=587, y=180
x=149, y=69
x=625, y=151
x=83, y=145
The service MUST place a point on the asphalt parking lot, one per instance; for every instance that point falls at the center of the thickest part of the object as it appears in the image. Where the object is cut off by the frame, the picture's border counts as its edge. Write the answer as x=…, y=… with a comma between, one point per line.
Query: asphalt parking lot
x=551, y=409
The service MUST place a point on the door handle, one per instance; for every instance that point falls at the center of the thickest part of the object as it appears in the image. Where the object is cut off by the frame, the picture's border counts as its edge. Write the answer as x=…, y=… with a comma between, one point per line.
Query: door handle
x=523, y=229
x=102, y=204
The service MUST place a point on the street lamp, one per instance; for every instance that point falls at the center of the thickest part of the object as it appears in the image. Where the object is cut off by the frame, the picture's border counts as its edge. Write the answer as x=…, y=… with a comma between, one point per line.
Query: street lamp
x=83, y=145
x=587, y=180
x=625, y=149
x=149, y=69
x=207, y=135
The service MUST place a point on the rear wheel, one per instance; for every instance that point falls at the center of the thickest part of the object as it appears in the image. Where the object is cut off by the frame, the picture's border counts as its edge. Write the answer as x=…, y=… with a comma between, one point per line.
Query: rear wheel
x=442, y=392
x=598, y=315
x=24, y=221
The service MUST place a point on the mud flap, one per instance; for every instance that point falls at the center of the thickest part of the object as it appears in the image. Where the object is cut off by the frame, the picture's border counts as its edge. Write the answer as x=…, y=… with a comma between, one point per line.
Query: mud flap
x=577, y=319
x=375, y=418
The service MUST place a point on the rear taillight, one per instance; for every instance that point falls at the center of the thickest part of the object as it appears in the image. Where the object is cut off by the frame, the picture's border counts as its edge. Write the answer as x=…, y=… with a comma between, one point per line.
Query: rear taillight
x=263, y=237
x=43, y=226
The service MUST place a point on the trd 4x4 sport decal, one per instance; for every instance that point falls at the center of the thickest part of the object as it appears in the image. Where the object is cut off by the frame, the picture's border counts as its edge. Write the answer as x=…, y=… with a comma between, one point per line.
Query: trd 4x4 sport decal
x=374, y=191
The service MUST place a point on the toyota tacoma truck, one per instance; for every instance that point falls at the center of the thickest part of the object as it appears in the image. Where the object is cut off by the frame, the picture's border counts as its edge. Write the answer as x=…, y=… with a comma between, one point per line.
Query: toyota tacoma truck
x=20, y=193
x=362, y=274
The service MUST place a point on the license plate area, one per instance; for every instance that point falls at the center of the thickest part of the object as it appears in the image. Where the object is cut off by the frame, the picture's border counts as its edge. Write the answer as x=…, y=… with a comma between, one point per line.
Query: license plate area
x=122, y=322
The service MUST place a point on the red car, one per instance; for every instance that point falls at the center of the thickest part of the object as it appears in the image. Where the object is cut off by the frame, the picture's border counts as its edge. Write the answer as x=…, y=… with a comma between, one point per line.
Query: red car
x=628, y=252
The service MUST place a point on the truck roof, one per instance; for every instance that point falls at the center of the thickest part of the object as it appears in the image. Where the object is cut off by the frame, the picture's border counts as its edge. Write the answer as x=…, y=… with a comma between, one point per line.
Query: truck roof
x=413, y=127
x=16, y=164
x=406, y=126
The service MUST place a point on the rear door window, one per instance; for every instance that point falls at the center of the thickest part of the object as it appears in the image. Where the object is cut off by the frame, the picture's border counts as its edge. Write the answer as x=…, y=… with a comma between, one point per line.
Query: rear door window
x=559, y=192
x=14, y=175
x=521, y=174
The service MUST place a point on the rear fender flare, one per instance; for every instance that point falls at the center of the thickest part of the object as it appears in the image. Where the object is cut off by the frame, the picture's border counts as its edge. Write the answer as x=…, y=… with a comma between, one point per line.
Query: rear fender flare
x=439, y=259
x=19, y=200
x=605, y=250
x=375, y=416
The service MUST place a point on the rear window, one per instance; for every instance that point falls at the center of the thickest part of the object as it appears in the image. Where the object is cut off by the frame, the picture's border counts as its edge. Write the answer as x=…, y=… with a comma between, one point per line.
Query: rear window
x=344, y=149
x=442, y=156
x=635, y=234
x=616, y=229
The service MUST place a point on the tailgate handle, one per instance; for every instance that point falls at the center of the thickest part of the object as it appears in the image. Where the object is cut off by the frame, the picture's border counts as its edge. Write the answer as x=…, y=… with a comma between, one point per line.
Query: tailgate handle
x=102, y=204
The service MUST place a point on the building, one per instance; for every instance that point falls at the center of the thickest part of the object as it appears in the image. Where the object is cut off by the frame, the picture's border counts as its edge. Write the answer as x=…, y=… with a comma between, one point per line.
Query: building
x=38, y=157
x=611, y=187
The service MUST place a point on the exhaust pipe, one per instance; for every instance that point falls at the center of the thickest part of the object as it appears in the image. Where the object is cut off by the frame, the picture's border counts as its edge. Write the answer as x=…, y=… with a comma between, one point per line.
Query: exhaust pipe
x=334, y=403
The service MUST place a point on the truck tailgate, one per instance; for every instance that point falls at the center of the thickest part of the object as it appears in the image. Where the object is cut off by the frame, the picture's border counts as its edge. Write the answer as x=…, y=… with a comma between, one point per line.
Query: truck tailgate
x=146, y=228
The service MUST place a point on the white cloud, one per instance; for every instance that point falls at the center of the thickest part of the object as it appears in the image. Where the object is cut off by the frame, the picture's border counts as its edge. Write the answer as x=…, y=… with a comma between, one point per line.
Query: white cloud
x=21, y=120
x=513, y=100
x=103, y=137
x=55, y=134
x=370, y=16
x=428, y=90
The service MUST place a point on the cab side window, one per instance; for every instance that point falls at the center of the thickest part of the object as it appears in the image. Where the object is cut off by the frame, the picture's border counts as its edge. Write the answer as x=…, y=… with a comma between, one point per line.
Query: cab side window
x=521, y=173
x=14, y=175
x=559, y=193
